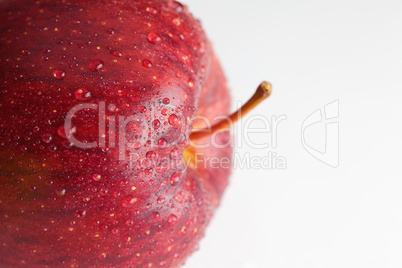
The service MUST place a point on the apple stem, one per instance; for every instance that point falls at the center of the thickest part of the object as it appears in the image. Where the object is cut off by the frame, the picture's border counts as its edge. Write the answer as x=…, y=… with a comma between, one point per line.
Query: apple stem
x=263, y=91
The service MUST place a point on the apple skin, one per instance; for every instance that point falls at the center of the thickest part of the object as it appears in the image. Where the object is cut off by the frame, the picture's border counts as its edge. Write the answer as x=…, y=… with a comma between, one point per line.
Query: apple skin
x=62, y=205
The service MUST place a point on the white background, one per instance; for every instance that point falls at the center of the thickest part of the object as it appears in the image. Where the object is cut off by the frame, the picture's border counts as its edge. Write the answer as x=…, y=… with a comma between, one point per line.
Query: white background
x=314, y=53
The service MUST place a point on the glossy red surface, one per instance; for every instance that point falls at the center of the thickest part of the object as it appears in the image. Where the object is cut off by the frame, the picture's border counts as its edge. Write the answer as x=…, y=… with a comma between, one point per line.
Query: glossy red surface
x=143, y=70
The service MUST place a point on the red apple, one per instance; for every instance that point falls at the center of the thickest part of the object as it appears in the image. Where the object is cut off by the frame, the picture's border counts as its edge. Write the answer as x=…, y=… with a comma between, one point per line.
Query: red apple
x=97, y=102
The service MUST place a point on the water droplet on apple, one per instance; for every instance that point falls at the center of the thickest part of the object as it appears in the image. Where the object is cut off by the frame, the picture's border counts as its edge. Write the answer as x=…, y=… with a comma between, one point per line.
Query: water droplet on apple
x=182, y=231
x=176, y=21
x=161, y=168
x=59, y=74
x=61, y=131
x=61, y=192
x=116, y=53
x=151, y=10
x=52, y=148
x=142, y=109
x=154, y=38
x=172, y=218
x=162, y=142
x=67, y=144
x=146, y=63
x=82, y=94
x=96, y=177
x=150, y=155
x=160, y=200
x=137, y=146
x=95, y=65
x=175, y=179
x=155, y=215
x=191, y=83
x=165, y=111
x=112, y=108
x=166, y=101
x=181, y=139
x=173, y=119
x=80, y=213
x=102, y=255
x=25, y=52
x=176, y=6
x=47, y=138
x=156, y=124
x=128, y=201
